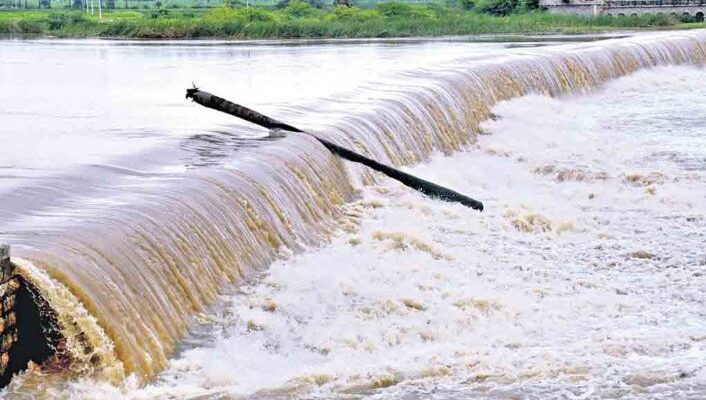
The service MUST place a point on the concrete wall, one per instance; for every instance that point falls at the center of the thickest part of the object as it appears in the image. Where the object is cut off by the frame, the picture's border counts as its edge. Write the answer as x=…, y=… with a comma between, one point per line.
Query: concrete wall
x=9, y=286
x=678, y=10
x=578, y=9
x=29, y=331
x=626, y=7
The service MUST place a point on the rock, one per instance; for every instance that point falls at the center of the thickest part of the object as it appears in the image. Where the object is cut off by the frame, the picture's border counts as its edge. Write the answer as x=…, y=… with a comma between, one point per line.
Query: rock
x=254, y=327
x=642, y=254
x=413, y=304
x=4, y=252
x=645, y=180
x=532, y=222
x=269, y=306
x=7, y=269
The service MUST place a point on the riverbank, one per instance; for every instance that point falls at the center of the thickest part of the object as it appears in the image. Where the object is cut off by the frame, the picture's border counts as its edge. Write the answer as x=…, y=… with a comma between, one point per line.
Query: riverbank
x=300, y=20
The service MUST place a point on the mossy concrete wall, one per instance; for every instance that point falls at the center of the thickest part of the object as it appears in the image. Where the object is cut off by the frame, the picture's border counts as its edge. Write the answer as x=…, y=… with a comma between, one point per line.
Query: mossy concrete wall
x=10, y=284
x=27, y=334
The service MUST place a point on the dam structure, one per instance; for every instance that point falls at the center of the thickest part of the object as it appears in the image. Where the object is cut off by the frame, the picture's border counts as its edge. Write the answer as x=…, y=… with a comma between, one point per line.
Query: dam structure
x=688, y=10
x=110, y=292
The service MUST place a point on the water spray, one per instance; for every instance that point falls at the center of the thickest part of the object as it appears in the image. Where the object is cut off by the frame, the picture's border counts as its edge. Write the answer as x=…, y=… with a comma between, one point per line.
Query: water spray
x=428, y=188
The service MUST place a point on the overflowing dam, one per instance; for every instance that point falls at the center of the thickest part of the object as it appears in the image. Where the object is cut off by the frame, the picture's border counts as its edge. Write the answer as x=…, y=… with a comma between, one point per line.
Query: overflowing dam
x=118, y=271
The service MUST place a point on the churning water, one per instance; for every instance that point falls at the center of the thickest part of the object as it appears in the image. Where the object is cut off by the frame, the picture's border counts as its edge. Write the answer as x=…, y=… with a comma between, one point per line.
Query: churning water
x=584, y=277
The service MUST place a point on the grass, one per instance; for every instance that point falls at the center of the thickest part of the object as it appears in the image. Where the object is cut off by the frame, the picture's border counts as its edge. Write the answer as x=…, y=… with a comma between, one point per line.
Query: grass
x=300, y=20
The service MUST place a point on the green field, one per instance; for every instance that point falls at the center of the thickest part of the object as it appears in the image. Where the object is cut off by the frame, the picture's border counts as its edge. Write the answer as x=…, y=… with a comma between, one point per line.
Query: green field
x=299, y=19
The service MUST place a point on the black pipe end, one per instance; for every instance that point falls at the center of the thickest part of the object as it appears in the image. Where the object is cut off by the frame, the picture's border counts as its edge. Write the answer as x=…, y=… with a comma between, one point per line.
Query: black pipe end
x=474, y=204
x=479, y=206
x=191, y=92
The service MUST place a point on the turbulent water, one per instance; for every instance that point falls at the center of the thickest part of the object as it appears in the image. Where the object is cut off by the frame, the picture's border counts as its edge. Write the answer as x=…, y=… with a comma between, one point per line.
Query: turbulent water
x=146, y=216
x=583, y=278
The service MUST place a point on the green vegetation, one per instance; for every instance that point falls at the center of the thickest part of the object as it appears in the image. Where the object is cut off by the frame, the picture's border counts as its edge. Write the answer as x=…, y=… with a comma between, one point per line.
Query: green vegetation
x=300, y=19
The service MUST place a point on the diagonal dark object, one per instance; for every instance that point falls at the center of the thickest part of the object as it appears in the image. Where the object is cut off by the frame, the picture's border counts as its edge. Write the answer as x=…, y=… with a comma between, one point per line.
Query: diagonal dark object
x=430, y=189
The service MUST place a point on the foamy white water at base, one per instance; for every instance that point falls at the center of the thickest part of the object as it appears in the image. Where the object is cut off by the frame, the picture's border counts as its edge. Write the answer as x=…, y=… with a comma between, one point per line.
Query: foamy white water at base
x=584, y=278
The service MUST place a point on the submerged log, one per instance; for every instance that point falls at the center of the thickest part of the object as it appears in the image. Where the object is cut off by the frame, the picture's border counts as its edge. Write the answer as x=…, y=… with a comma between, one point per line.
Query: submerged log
x=428, y=188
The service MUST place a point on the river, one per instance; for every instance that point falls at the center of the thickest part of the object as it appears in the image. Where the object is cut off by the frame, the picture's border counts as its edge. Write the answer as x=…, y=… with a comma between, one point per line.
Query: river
x=203, y=258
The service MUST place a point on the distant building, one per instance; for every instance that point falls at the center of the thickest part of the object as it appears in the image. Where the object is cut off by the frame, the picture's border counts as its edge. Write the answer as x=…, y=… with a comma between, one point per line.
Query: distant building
x=692, y=10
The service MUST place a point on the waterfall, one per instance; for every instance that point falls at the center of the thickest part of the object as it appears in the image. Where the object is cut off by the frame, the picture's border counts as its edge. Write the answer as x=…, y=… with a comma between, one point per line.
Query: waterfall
x=124, y=276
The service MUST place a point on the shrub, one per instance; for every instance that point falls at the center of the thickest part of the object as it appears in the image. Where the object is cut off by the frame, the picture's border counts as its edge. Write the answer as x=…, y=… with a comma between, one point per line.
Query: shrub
x=466, y=4
x=159, y=13
x=299, y=9
x=496, y=7
x=352, y=14
x=223, y=13
x=436, y=9
x=57, y=21
x=255, y=14
x=29, y=26
x=233, y=3
x=6, y=27
x=117, y=28
x=404, y=10
x=527, y=5
x=78, y=18
x=395, y=9
x=313, y=3
x=686, y=17
x=240, y=15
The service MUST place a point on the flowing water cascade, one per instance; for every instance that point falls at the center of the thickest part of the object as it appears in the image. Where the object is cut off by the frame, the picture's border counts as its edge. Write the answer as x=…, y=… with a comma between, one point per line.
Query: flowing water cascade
x=124, y=277
x=138, y=275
